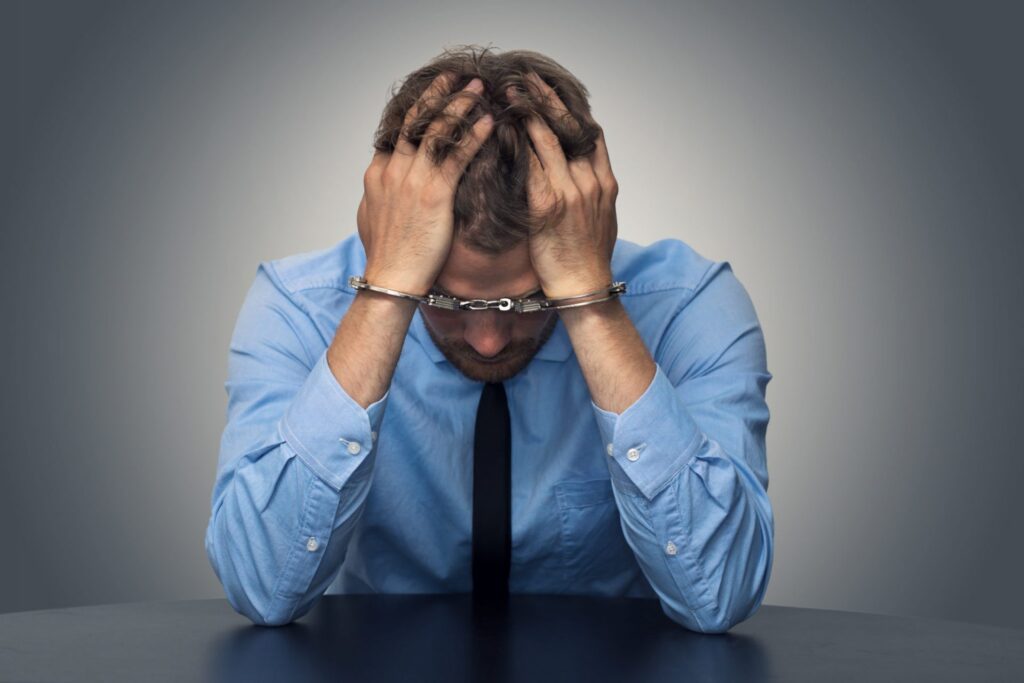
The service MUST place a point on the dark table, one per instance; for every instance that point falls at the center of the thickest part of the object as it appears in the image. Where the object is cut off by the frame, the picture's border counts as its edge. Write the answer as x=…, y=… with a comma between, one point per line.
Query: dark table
x=536, y=638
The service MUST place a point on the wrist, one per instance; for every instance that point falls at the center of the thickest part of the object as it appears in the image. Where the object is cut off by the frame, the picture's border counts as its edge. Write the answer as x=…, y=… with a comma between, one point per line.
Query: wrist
x=577, y=285
x=579, y=316
x=385, y=303
x=407, y=284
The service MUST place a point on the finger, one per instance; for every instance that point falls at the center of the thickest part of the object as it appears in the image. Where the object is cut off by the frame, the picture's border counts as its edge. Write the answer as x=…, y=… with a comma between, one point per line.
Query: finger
x=455, y=164
x=549, y=150
x=361, y=214
x=538, y=188
x=547, y=147
x=603, y=166
x=446, y=120
x=374, y=172
x=439, y=87
x=554, y=101
x=601, y=163
x=584, y=177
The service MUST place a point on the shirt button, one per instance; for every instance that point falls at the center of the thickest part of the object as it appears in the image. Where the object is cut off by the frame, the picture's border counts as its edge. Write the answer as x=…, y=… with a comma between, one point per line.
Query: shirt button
x=670, y=548
x=632, y=454
x=610, y=450
x=312, y=544
x=354, y=447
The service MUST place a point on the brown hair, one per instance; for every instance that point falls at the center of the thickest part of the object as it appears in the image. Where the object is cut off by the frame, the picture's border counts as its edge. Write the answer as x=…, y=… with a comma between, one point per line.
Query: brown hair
x=491, y=211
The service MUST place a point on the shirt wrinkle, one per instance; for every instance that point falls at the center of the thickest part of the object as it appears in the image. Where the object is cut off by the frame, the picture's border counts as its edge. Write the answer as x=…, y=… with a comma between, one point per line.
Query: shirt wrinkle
x=380, y=499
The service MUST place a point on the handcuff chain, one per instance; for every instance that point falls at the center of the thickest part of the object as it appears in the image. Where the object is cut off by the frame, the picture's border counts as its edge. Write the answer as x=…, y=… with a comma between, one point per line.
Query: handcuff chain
x=503, y=304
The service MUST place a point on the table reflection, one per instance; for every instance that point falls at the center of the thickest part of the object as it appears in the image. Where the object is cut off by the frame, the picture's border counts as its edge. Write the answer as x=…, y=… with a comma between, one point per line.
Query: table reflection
x=452, y=638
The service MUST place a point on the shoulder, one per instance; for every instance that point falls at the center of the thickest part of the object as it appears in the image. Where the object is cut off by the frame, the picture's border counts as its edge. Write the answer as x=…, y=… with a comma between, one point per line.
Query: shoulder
x=689, y=308
x=329, y=267
x=662, y=266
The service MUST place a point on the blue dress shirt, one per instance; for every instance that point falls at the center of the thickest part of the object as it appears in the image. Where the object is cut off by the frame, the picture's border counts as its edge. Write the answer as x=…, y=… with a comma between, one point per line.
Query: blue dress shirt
x=314, y=494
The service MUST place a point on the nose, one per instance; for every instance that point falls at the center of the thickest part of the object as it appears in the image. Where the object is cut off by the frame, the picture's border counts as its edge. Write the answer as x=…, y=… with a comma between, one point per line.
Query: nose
x=488, y=332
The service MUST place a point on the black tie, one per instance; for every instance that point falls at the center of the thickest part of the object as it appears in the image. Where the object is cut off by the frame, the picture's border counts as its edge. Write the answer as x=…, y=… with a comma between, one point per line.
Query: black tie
x=492, y=497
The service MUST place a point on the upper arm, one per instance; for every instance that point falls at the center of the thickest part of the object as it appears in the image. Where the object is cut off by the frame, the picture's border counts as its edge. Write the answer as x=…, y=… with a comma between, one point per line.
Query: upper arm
x=713, y=351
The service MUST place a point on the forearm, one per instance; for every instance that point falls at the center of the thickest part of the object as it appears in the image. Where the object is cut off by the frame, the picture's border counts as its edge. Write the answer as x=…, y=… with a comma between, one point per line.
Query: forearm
x=704, y=541
x=288, y=493
x=696, y=515
x=295, y=461
x=612, y=356
x=278, y=535
x=367, y=344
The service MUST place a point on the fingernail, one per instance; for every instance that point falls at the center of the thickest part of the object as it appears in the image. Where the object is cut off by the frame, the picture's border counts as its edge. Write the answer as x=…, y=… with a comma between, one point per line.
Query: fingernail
x=475, y=85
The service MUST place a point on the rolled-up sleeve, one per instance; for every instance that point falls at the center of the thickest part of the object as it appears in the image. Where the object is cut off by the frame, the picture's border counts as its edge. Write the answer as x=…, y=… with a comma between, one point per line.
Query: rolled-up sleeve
x=688, y=464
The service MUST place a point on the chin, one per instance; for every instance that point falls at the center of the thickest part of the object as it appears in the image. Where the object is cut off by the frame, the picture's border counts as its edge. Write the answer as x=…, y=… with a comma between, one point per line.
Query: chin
x=460, y=356
x=487, y=372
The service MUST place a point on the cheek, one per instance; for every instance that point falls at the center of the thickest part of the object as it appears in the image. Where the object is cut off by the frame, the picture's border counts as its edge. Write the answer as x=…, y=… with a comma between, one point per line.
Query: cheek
x=531, y=326
x=443, y=323
x=452, y=325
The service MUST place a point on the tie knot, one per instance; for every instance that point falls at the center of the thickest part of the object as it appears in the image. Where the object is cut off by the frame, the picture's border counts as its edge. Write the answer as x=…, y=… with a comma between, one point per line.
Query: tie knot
x=493, y=396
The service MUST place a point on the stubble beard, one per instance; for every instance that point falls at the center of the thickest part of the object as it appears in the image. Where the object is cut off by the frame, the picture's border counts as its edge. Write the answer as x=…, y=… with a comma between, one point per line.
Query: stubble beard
x=513, y=358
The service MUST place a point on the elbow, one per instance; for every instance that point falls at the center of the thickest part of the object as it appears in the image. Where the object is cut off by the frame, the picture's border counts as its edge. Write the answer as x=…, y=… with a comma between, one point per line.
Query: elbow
x=712, y=618
x=739, y=594
x=717, y=620
x=278, y=613
x=278, y=619
x=738, y=572
x=700, y=621
x=246, y=607
x=256, y=606
x=736, y=592
x=245, y=593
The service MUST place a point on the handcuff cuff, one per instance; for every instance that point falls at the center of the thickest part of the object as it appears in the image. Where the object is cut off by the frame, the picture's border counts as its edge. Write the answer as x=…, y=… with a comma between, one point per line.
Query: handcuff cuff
x=450, y=303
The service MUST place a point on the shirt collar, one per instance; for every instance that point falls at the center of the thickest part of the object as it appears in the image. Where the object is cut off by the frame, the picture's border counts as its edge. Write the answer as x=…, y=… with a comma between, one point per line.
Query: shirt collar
x=558, y=347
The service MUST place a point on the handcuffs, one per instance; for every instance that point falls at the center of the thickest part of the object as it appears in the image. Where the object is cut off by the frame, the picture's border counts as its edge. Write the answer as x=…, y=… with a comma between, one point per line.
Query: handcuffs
x=450, y=303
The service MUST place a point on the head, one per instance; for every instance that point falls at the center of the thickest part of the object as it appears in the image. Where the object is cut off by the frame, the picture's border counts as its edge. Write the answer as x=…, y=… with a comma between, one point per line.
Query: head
x=490, y=258
x=489, y=345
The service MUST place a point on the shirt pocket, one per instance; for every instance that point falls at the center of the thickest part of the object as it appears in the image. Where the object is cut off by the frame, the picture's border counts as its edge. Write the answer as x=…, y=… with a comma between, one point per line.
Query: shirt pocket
x=594, y=550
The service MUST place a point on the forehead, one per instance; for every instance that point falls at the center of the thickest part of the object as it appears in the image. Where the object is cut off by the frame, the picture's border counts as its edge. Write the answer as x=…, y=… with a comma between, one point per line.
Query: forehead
x=473, y=274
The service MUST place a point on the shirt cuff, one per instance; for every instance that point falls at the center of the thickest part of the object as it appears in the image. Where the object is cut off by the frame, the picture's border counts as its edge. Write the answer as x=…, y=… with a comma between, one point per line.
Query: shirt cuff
x=328, y=429
x=652, y=439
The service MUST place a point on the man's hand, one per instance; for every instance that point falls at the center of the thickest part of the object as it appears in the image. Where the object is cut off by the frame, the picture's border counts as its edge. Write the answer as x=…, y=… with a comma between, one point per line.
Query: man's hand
x=572, y=252
x=406, y=219
x=406, y=224
x=571, y=255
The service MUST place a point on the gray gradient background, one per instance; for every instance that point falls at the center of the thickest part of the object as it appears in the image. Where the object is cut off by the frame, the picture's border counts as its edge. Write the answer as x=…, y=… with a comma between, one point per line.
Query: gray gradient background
x=859, y=164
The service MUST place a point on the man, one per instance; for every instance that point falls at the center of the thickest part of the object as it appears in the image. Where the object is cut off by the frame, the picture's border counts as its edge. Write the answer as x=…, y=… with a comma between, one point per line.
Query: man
x=637, y=419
